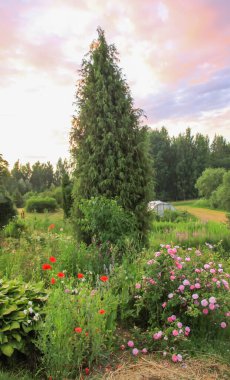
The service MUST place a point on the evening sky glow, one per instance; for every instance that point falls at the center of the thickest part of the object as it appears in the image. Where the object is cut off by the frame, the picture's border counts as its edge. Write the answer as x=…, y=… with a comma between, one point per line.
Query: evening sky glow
x=175, y=55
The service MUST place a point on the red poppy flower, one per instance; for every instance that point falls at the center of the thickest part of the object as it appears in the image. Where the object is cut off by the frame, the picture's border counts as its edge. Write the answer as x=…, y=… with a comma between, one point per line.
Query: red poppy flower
x=51, y=226
x=46, y=266
x=104, y=278
x=78, y=330
x=52, y=281
x=87, y=371
x=52, y=259
x=61, y=274
x=80, y=275
x=102, y=311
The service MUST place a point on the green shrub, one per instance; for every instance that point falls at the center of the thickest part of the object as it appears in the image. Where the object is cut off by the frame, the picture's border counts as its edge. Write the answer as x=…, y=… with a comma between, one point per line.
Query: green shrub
x=103, y=220
x=175, y=281
x=15, y=228
x=20, y=311
x=40, y=204
x=7, y=209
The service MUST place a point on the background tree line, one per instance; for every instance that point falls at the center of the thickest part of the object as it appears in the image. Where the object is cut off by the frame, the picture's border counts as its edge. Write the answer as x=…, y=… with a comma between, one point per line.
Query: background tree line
x=42, y=182
x=179, y=161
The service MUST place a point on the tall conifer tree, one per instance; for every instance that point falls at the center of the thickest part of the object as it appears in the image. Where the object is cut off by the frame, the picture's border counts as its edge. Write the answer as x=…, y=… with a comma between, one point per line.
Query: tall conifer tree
x=107, y=140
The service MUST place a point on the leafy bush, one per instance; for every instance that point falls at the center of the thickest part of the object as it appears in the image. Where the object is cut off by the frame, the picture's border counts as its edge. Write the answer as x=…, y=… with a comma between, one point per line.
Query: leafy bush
x=179, y=293
x=20, y=311
x=172, y=216
x=15, y=228
x=7, y=209
x=209, y=181
x=103, y=220
x=40, y=204
x=79, y=326
x=188, y=285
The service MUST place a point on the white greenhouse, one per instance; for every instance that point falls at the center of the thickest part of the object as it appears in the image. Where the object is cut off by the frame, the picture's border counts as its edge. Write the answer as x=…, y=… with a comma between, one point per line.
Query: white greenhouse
x=159, y=207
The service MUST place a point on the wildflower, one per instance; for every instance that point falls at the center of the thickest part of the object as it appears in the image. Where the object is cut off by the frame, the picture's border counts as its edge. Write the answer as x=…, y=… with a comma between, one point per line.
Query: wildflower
x=192, y=287
x=31, y=310
x=204, y=302
x=205, y=311
x=170, y=319
x=80, y=275
x=172, y=278
x=46, y=266
x=135, y=351
x=167, y=246
x=206, y=266
x=157, y=335
x=187, y=258
x=179, y=357
x=87, y=371
x=181, y=288
x=197, y=285
x=212, y=271
x=51, y=227
x=78, y=330
x=52, y=281
x=164, y=304
x=173, y=317
x=138, y=286
x=175, y=332
x=227, y=314
x=174, y=358
x=212, y=300
x=223, y=325
x=102, y=311
x=186, y=282
x=122, y=347
x=179, y=325
x=195, y=296
x=61, y=274
x=30, y=303
x=52, y=259
x=150, y=262
x=130, y=344
x=104, y=278
x=144, y=351
x=170, y=295
x=187, y=329
x=211, y=306
x=178, y=265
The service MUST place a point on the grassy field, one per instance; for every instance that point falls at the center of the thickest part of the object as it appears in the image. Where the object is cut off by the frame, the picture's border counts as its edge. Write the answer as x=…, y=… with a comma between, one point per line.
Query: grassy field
x=203, y=213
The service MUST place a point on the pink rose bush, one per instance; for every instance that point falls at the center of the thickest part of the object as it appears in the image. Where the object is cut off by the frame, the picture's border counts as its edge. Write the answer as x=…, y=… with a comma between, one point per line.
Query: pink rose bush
x=176, y=296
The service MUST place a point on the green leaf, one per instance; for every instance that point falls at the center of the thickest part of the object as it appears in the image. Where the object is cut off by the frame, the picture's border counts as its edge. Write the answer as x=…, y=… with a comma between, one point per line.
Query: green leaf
x=7, y=349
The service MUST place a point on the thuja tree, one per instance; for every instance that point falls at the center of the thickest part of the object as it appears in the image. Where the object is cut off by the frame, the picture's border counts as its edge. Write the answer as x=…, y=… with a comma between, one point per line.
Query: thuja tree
x=108, y=141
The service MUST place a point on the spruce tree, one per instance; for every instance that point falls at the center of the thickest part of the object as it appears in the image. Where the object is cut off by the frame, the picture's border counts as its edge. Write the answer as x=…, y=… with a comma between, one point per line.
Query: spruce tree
x=108, y=142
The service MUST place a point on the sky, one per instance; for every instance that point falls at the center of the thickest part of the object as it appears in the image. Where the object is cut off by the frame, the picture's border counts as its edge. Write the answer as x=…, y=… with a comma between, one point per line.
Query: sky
x=174, y=54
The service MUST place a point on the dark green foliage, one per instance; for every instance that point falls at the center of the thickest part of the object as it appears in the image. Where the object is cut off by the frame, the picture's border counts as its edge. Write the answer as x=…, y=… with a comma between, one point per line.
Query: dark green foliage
x=177, y=163
x=103, y=220
x=220, y=153
x=40, y=204
x=7, y=209
x=108, y=145
x=161, y=152
x=67, y=198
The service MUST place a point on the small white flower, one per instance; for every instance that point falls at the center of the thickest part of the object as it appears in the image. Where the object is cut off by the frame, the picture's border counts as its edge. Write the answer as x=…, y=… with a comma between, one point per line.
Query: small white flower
x=25, y=312
x=31, y=310
x=30, y=303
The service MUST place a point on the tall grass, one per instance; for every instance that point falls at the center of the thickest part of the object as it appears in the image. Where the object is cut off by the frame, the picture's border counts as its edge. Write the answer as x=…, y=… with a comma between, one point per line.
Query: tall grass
x=190, y=233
